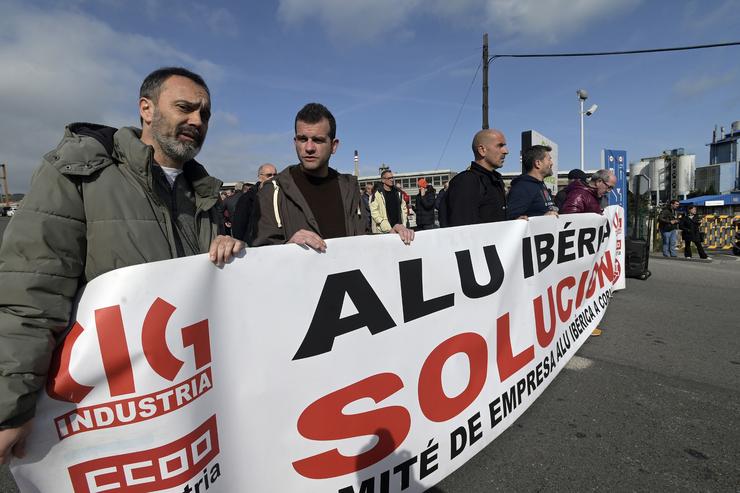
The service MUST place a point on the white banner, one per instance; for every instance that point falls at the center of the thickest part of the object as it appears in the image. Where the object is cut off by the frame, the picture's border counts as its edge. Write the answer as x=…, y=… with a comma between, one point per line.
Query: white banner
x=372, y=367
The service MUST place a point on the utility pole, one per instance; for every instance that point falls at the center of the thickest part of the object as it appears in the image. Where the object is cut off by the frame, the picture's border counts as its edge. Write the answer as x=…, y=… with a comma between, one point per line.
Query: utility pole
x=485, y=81
x=5, y=184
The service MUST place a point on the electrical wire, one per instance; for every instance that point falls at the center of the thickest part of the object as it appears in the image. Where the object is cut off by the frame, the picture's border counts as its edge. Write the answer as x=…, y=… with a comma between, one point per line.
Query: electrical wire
x=609, y=53
x=457, y=119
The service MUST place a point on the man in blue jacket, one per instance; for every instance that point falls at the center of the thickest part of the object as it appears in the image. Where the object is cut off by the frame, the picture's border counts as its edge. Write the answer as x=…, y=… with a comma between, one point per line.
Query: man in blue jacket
x=528, y=195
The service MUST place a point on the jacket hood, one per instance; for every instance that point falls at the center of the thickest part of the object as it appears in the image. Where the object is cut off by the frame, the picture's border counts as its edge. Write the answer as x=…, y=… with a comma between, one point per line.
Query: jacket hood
x=89, y=147
x=102, y=133
x=85, y=148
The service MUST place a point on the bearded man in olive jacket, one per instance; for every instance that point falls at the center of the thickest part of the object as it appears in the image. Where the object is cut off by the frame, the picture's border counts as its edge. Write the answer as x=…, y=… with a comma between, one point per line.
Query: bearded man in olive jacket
x=103, y=199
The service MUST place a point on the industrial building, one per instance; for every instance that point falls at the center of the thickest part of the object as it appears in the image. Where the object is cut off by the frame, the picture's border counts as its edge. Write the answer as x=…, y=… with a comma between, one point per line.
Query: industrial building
x=670, y=175
x=722, y=174
x=713, y=188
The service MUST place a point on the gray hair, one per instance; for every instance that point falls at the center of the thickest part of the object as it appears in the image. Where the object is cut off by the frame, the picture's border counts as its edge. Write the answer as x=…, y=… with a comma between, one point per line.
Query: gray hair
x=262, y=168
x=601, y=175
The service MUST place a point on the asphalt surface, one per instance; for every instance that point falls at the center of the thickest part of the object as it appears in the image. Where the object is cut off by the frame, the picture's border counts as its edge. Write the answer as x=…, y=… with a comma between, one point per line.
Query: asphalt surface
x=651, y=405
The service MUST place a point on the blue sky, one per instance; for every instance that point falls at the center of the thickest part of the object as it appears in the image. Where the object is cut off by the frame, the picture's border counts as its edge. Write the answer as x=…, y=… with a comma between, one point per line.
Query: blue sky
x=394, y=72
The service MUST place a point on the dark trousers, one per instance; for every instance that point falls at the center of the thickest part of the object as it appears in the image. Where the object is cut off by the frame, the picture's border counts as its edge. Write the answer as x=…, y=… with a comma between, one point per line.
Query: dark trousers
x=699, y=248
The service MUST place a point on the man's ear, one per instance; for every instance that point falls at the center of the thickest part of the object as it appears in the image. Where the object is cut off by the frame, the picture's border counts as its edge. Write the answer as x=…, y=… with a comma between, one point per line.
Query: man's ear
x=146, y=110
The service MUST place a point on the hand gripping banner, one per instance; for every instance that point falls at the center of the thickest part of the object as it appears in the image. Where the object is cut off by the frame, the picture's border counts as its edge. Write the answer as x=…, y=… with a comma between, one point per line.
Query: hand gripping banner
x=373, y=367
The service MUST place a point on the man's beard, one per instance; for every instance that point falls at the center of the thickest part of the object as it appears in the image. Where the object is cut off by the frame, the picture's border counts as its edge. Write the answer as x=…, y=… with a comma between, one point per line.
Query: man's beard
x=178, y=151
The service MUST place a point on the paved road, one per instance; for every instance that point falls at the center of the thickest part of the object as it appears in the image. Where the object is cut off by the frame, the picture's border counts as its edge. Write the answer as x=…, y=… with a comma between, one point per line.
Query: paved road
x=654, y=407
x=651, y=405
x=3, y=222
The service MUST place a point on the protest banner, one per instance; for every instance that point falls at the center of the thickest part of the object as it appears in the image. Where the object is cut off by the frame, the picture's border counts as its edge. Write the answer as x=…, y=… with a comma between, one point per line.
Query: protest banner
x=373, y=367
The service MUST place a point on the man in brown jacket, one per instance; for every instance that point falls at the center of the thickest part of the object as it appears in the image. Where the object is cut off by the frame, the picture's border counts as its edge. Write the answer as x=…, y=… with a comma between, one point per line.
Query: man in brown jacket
x=310, y=202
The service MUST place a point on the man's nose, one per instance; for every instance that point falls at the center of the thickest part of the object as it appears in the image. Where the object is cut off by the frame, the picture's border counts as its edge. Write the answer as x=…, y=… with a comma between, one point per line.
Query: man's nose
x=310, y=146
x=195, y=119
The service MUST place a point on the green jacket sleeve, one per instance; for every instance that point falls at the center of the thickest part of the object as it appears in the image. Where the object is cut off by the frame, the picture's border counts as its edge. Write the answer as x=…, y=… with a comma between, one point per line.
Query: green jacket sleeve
x=41, y=267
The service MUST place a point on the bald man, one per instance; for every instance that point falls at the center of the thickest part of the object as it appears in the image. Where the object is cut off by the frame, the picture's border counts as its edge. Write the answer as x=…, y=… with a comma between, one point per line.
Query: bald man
x=477, y=195
x=240, y=224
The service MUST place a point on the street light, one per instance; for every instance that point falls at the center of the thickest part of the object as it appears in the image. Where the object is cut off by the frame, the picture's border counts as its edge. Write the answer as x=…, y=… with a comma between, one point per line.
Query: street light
x=583, y=96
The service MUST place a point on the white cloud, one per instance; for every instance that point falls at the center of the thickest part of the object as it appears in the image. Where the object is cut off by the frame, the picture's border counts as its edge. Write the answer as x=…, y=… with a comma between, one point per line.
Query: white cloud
x=219, y=20
x=59, y=67
x=224, y=116
x=527, y=20
x=700, y=16
x=690, y=87
x=349, y=21
x=550, y=20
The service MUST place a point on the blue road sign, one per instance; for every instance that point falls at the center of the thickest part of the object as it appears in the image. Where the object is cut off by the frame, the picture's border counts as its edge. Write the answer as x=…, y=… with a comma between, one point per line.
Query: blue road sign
x=617, y=162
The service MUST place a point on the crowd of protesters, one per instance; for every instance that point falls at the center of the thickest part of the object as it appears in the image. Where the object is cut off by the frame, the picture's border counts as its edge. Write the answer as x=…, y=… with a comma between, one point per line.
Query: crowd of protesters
x=476, y=195
x=132, y=195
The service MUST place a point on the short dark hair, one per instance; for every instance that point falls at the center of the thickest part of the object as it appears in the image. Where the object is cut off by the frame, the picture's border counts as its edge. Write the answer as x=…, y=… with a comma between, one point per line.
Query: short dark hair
x=675, y=200
x=385, y=172
x=533, y=154
x=152, y=85
x=314, y=113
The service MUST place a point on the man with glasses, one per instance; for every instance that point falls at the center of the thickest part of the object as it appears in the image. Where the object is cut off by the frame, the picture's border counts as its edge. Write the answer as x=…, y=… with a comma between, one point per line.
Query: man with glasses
x=245, y=205
x=585, y=197
x=388, y=209
x=528, y=195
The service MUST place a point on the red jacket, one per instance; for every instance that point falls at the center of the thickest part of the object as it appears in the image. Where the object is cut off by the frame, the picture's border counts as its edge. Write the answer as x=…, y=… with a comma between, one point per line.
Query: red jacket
x=581, y=198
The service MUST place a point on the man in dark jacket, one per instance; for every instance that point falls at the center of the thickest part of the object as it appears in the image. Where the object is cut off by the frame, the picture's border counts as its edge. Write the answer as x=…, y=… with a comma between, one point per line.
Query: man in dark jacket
x=585, y=197
x=668, y=225
x=367, y=196
x=241, y=222
x=690, y=225
x=477, y=195
x=528, y=195
x=441, y=205
x=103, y=199
x=309, y=202
x=424, y=204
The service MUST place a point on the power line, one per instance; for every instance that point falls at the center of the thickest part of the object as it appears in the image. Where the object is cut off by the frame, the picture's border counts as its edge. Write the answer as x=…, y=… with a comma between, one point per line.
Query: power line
x=605, y=53
x=454, y=125
x=608, y=53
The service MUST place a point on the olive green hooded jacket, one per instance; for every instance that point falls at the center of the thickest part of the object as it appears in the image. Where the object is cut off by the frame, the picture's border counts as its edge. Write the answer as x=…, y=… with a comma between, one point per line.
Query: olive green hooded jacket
x=92, y=208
